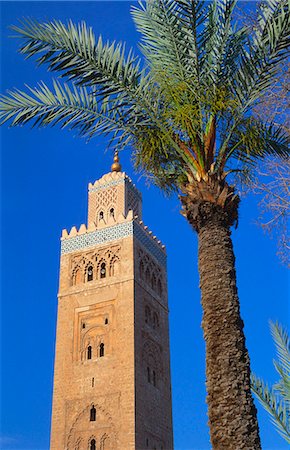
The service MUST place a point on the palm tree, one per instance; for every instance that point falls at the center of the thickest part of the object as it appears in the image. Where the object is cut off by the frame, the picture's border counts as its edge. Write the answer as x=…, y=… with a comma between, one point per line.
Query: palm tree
x=276, y=400
x=185, y=110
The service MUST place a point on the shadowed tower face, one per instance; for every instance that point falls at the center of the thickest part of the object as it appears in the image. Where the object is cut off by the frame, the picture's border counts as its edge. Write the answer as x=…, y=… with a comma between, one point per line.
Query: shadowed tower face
x=112, y=375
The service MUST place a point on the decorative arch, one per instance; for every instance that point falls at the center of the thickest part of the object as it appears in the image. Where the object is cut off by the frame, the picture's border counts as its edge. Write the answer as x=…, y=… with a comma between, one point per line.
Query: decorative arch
x=141, y=270
x=151, y=355
x=153, y=281
x=105, y=443
x=92, y=442
x=89, y=272
x=147, y=314
x=155, y=320
x=81, y=422
x=102, y=266
x=114, y=269
x=111, y=212
x=77, y=276
x=148, y=275
x=159, y=287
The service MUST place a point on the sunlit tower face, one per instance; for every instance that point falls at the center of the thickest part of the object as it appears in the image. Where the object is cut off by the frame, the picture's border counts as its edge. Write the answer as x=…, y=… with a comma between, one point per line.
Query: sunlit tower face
x=112, y=377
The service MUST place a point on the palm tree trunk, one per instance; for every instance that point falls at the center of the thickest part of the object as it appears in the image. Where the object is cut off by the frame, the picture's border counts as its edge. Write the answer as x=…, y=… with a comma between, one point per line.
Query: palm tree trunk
x=232, y=413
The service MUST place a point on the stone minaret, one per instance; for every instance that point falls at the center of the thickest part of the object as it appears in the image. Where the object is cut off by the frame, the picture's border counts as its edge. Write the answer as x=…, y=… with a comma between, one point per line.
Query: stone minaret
x=112, y=375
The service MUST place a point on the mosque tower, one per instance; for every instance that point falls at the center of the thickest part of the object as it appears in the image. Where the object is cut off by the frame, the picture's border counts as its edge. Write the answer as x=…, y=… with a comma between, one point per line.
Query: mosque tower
x=112, y=386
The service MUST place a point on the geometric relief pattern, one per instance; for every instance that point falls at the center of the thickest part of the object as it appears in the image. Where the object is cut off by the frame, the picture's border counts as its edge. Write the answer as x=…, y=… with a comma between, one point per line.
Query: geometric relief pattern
x=132, y=202
x=83, y=431
x=150, y=245
x=96, y=237
x=152, y=361
x=149, y=272
x=95, y=265
x=113, y=233
x=106, y=197
x=104, y=186
x=93, y=330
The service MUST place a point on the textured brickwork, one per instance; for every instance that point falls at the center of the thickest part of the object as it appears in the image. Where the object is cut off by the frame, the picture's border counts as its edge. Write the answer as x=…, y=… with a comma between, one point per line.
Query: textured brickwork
x=112, y=375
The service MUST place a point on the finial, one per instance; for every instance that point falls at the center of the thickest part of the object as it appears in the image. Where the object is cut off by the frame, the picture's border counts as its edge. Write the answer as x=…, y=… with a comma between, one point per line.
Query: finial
x=116, y=166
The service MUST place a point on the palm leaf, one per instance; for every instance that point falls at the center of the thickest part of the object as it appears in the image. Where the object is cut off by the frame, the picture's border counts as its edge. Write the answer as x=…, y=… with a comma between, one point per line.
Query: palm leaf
x=68, y=107
x=276, y=408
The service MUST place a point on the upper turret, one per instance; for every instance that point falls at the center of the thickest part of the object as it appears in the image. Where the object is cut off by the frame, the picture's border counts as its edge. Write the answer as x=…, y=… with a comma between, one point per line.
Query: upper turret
x=111, y=197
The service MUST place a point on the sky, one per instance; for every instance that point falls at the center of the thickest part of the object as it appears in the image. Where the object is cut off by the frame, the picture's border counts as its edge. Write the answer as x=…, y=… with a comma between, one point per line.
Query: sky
x=44, y=178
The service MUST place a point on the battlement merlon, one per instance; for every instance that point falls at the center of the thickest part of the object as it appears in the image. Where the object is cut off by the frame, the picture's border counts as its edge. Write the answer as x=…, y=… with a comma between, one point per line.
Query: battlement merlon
x=84, y=238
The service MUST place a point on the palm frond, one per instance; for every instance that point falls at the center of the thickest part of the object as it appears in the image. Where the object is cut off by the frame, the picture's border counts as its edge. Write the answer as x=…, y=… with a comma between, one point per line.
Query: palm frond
x=72, y=50
x=220, y=44
x=260, y=62
x=75, y=108
x=282, y=343
x=275, y=406
x=167, y=44
x=253, y=140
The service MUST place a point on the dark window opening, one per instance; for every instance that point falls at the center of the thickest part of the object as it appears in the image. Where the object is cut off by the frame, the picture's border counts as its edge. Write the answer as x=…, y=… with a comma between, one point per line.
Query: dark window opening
x=93, y=444
x=159, y=288
x=112, y=212
x=106, y=321
x=154, y=378
x=93, y=382
x=141, y=270
x=155, y=321
x=147, y=314
x=101, y=215
x=102, y=350
x=148, y=375
x=93, y=414
x=89, y=352
x=103, y=270
x=84, y=325
x=90, y=273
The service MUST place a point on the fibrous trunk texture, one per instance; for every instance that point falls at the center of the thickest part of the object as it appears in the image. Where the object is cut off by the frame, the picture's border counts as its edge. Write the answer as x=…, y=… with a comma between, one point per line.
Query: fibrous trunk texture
x=231, y=411
x=211, y=207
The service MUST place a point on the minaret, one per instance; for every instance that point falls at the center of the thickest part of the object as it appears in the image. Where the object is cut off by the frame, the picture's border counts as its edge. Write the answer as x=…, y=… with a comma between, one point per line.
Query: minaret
x=112, y=385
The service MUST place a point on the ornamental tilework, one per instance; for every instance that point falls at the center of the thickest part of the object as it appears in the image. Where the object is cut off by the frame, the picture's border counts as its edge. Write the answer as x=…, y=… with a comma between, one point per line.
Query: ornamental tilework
x=149, y=244
x=113, y=233
x=106, y=185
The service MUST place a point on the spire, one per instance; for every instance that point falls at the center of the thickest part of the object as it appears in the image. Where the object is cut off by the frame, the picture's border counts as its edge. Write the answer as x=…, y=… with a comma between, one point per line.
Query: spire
x=116, y=166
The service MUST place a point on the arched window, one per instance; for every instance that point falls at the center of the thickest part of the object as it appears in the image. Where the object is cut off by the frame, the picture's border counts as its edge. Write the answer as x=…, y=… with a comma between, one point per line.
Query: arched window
x=101, y=215
x=102, y=349
x=148, y=375
x=89, y=352
x=159, y=288
x=147, y=314
x=103, y=270
x=93, y=414
x=147, y=276
x=90, y=273
x=141, y=270
x=112, y=212
x=93, y=444
x=106, y=321
x=154, y=378
x=77, y=276
x=153, y=282
x=155, y=320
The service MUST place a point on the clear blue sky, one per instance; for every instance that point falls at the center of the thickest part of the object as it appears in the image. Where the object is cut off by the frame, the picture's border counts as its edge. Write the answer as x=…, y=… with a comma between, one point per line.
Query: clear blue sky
x=44, y=189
